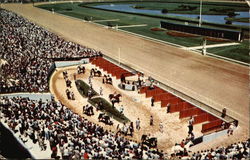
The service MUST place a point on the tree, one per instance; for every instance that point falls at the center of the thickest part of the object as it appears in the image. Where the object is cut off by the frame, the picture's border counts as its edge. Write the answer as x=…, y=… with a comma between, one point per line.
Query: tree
x=110, y=24
x=228, y=22
x=86, y=18
x=231, y=14
x=164, y=11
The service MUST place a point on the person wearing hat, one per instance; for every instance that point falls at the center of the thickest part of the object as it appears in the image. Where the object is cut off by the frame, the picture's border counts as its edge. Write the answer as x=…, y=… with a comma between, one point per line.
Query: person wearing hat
x=151, y=122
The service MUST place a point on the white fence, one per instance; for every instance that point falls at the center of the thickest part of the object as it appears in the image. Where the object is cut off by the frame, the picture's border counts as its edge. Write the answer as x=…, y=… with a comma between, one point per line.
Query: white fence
x=212, y=136
x=71, y=63
x=33, y=96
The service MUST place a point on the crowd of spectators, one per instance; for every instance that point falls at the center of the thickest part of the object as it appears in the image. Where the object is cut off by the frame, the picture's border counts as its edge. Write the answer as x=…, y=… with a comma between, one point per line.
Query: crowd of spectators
x=238, y=150
x=28, y=52
x=69, y=135
x=56, y=129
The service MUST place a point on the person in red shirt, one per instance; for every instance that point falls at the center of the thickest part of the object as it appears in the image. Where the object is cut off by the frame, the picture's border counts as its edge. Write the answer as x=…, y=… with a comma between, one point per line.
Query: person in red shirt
x=85, y=155
x=182, y=143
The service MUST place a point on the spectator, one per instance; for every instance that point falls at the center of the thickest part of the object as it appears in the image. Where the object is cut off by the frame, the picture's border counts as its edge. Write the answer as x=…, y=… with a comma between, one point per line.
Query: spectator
x=191, y=121
x=137, y=123
x=152, y=101
x=190, y=128
x=101, y=90
x=230, y=129
x=151, y=123
x=121, y=109
x=161, y=127
x=224, y=111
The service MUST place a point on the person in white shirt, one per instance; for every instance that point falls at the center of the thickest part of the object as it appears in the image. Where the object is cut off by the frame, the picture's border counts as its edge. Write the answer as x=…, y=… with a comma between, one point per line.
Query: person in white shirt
x=137, y=124
x=121, y=109
x=161, y=127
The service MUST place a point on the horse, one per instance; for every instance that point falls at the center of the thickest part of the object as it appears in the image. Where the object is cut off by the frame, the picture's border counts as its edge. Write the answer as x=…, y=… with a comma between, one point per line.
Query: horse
x=115, y=98
x=68, y=83
x=88, y=110
x=150, y=142
x=80, y=69
x=107, y=80
x=105, y=119
x=65, y=74
x=95, y=72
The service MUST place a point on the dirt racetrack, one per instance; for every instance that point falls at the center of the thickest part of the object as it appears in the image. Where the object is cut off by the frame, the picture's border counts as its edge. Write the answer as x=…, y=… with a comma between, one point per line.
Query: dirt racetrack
x=212, y=81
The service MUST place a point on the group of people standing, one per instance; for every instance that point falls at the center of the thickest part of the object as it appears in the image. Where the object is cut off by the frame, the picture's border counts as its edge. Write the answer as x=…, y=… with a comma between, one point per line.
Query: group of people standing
x=60, y=132
x=70, y=94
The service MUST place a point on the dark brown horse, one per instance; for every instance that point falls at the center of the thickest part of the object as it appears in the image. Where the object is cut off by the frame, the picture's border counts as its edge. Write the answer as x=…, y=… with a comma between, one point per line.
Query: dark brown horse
x=115, y=98
x=95, y=72
x=80, y=69
x=107, y=80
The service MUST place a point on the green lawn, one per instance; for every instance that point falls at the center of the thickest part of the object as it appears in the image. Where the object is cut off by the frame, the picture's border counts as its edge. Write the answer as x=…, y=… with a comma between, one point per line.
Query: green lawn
x=234, y=19
x=240, y=53
x=83, y=88
x=75, y=10
x=109, y=110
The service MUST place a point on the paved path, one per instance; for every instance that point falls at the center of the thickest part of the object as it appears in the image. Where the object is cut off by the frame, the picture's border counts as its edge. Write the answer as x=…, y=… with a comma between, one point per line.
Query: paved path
x=106, y=20
x=212, y=81
x=212, y=46
x=136, y=25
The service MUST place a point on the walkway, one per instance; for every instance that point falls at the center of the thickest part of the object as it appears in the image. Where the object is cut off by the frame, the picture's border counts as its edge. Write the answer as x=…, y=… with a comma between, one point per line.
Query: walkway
x=135, y=106
x=211, y=46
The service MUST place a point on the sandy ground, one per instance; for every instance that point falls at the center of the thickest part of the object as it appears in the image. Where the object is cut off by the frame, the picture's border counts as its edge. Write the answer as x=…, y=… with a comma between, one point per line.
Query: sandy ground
x=136, y=106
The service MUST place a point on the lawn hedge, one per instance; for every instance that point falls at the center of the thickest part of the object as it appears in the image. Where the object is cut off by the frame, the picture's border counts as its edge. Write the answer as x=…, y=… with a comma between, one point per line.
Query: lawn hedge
x=109, y=109
x=83, y=88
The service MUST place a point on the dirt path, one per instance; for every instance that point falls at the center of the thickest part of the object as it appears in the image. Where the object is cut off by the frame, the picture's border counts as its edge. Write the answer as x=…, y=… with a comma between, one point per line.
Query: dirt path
x=136, y=106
